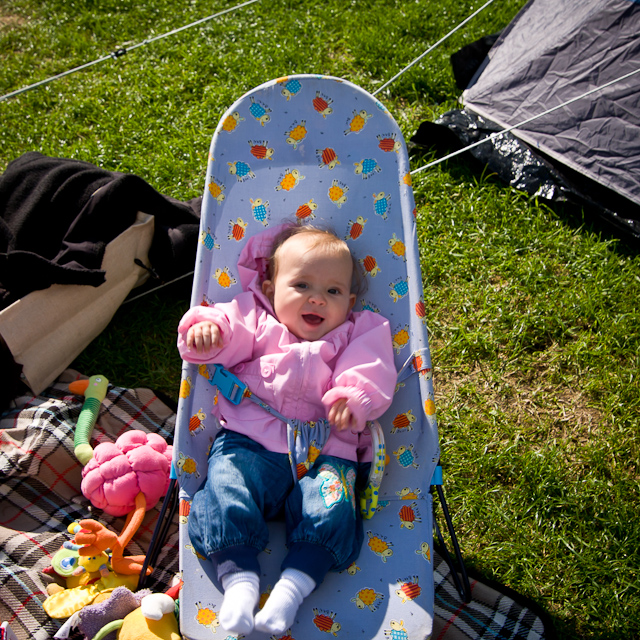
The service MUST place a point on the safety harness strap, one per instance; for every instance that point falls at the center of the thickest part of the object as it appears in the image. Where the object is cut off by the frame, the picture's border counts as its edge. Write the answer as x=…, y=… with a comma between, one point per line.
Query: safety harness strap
x=305, y=440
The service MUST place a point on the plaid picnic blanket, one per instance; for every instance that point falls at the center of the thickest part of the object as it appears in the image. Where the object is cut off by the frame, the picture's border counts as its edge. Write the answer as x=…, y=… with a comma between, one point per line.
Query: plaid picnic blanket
x=494, y=611
x=40, y=495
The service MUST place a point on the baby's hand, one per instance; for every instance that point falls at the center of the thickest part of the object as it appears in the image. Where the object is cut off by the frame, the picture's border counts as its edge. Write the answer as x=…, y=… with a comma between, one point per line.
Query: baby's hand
x=204, y=336
x=340, y=415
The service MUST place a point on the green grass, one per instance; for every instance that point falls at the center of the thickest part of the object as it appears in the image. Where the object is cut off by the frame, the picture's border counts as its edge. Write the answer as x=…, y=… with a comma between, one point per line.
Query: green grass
x=534, y=325
x=535, y=339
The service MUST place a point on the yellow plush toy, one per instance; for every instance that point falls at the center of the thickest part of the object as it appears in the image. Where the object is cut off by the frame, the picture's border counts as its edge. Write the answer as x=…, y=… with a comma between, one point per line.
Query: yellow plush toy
x=85, y=576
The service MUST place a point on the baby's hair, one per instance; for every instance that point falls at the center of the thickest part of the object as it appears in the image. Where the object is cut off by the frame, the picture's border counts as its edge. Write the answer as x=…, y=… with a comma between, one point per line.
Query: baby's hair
x=325, y=237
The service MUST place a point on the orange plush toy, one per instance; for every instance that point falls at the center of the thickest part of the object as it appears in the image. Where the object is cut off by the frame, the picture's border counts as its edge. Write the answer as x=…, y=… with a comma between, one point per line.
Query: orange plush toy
x=96, y=539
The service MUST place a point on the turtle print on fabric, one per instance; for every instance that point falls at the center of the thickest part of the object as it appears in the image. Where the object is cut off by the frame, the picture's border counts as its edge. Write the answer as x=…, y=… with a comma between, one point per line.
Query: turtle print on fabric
x=260, y=210
x=261, y=150
x=291, y=87
x=322, y=104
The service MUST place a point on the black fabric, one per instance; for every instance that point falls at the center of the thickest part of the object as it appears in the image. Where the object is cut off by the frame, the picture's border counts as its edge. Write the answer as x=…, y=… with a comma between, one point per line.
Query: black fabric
x=58, y=215
x=12, y=384
x=466, y=61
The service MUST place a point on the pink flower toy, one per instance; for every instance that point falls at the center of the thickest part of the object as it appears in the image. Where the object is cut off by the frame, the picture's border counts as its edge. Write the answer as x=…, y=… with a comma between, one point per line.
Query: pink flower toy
x=137, y=462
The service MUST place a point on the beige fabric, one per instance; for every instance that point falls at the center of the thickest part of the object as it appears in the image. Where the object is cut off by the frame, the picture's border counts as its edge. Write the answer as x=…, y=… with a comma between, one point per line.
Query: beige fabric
x=47, y=329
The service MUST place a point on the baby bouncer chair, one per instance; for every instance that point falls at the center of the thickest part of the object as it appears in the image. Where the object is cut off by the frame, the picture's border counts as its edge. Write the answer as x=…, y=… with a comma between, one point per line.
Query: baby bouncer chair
x=320, y=149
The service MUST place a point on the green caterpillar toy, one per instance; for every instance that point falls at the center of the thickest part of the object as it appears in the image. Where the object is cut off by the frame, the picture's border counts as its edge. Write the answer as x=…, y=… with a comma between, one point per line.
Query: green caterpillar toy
x=94, y=390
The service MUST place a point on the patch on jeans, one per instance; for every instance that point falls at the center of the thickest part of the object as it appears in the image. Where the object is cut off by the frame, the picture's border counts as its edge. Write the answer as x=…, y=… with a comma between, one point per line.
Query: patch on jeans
x=335, y=487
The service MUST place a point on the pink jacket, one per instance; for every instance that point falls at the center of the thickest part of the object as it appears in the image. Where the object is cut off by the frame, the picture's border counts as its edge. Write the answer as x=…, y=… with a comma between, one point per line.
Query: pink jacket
x=297, y=378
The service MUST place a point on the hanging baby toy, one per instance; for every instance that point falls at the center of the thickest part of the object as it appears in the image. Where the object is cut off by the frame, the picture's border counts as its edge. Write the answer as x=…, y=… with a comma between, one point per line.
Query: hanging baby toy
x=125, y=477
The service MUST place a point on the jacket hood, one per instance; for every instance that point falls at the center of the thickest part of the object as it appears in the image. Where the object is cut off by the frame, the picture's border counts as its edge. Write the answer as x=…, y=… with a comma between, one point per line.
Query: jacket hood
x=254, y=261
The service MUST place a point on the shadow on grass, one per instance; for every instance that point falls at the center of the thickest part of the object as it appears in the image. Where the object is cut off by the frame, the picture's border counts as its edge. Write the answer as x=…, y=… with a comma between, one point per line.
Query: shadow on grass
x=578, y=201
x=138, y=347
x=555, y=626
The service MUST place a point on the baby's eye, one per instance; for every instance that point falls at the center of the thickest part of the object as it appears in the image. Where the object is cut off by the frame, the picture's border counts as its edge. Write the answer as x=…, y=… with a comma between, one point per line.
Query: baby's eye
x=334, y=292
x=300, y=285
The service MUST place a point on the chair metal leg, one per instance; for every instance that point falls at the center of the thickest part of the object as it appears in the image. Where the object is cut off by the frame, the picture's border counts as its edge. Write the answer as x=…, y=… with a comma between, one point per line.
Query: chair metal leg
x=165, y=518
x=458, y=570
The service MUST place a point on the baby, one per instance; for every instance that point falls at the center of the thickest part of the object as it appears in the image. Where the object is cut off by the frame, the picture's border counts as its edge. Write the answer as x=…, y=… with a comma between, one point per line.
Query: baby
x=294, y=340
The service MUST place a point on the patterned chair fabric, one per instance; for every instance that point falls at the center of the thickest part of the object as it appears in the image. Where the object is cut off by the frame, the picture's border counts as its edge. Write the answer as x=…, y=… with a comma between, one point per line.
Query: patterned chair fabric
x=320, y=149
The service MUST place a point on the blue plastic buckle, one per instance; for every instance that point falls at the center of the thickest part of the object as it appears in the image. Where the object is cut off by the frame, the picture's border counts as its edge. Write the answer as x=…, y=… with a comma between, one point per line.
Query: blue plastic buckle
x=230, y=386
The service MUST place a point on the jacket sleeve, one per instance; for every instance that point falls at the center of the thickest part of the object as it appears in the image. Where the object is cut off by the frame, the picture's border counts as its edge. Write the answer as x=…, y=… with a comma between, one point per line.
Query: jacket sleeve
x=365, y=373
x=237, y=321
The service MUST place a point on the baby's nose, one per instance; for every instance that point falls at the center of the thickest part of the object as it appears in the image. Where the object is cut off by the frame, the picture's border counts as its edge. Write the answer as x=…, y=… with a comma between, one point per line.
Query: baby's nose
x=317, y=297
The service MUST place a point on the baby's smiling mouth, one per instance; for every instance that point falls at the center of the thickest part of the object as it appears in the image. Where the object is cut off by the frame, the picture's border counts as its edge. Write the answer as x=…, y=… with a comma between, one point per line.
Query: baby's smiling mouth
x=312, y=319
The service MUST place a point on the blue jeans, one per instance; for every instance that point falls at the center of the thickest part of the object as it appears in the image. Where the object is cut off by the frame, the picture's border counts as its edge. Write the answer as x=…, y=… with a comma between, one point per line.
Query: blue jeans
x=247, y=485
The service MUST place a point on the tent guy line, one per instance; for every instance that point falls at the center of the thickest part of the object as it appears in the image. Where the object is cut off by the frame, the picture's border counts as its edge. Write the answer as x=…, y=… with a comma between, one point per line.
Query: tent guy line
x=473, y=145
x=120, y=52
x=160, y=286
x=431, y=48
x=448, y=157
x=123, y=50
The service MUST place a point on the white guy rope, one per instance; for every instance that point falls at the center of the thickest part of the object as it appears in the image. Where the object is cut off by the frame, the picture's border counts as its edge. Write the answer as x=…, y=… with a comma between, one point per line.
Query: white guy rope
x=432, y=47
x=160, y=286
x=124, y=50
x=120, y=52
x=524, y=122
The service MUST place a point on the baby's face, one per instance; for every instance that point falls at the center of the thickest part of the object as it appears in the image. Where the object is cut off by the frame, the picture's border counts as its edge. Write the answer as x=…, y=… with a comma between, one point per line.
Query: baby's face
x=311, y=292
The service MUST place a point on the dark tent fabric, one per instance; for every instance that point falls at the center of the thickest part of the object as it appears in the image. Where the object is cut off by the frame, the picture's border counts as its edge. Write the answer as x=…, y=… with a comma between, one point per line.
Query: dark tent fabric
x=551, y=53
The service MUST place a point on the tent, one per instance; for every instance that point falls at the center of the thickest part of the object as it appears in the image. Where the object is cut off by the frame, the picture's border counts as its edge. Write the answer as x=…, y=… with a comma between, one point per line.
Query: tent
x=551, y=54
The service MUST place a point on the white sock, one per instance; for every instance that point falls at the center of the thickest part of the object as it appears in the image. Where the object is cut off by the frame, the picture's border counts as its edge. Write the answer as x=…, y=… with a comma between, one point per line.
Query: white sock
x=279, y=612
x=241, y=595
